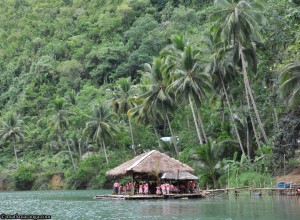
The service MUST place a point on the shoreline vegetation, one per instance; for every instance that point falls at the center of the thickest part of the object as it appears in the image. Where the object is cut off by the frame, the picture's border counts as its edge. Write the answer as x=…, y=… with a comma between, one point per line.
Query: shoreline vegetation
x=88, y=85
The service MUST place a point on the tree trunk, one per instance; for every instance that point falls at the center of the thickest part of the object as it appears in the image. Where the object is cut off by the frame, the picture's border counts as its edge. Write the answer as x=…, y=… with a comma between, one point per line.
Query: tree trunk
x=131, y=134
x=172, y=135
x=232, y=118
x=248, y=144
x=70, y=152
x=15, y=150
x=247, y=84
x=195, y=121
x=188, y=121
x=201, y=125
x=255, y=133
x=276, y=119
x=79, y=148
x=214, y=180
x=104, y=148
x=252, y=121
x=157, y=136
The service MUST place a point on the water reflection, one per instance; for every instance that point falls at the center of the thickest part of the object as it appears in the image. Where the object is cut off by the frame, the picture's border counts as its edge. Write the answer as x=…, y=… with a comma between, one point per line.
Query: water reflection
x=169, y=208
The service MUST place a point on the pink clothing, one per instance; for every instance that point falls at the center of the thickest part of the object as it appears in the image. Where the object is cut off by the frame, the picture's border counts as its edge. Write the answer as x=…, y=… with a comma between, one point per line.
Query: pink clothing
x=116, y=184
x=163, y=189
x=158, y=192
x=141, y=189
x=167, y=185
x=146, y=188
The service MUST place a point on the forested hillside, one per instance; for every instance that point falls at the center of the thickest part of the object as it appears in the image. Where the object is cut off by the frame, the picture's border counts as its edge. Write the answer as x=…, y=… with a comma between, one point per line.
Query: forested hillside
x=87, y=84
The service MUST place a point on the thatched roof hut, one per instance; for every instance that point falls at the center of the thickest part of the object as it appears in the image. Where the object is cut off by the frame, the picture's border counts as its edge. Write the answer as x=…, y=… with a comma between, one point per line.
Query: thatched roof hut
x=150, y=163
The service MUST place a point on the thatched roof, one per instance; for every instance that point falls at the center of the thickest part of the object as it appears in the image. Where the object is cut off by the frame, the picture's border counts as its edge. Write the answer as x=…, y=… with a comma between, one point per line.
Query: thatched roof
x=152, y=162
x=180, y=176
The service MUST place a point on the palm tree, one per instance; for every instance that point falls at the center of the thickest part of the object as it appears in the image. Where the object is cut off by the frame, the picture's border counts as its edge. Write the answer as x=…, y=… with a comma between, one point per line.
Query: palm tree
x=60, y=118
x=209, y=157
x=222, y=72
x=124, y=100
x=12, y=129
x=143, y=114
x=157, y=97
x=238, y=24
x=290, y=85
x=100, y=127
x=190, y=83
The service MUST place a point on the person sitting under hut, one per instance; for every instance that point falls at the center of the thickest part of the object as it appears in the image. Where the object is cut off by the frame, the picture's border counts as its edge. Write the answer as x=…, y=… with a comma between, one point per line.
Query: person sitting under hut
x=191, y=186
x=182, y=188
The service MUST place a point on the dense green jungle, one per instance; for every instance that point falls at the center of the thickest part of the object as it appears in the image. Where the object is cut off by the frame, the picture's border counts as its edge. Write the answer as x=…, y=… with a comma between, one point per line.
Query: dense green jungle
x=86, y=85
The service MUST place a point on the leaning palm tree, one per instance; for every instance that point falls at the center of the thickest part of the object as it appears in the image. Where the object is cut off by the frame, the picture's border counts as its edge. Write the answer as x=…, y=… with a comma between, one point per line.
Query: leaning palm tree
x=123, y=100
x=238, y=24
x=12, y=129
x=157, y=97
x=190, y=83
x=100, y=126
x=290, y=85
x=219, y=66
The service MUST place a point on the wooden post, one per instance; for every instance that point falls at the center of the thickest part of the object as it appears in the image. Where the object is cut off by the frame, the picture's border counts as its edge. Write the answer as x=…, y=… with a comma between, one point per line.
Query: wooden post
x=133, y=185
x=284, y=165
x=228, y=180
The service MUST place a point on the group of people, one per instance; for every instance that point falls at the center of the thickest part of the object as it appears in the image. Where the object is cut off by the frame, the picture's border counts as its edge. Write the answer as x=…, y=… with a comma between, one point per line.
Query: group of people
x=121, y=189
x=165, y=188
x=154, y=188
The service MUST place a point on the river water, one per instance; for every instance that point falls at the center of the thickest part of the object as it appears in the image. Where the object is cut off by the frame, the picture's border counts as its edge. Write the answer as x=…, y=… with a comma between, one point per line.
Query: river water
x=81, y=205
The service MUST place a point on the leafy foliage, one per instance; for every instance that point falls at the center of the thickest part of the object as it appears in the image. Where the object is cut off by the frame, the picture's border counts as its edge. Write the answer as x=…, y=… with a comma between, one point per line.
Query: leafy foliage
x=60, y=59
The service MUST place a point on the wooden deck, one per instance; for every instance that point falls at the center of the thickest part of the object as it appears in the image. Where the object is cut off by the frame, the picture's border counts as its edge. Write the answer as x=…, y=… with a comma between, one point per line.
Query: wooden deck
x=141, y=197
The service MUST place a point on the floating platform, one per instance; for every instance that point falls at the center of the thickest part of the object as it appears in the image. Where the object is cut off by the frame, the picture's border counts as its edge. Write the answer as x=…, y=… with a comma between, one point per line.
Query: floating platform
x=141, y=197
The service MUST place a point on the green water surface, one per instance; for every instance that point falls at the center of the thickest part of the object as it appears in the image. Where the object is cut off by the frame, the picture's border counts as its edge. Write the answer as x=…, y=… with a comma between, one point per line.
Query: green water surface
x=81, y=205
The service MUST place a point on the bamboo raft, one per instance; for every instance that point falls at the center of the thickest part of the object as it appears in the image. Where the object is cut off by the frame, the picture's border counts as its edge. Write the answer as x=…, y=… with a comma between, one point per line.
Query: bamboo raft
x=258, y=191
x=141, y=197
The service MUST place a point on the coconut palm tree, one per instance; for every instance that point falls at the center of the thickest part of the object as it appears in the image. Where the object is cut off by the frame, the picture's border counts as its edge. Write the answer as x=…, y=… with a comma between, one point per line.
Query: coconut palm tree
x=12, y=129
x=157, y=97
x=123, y=100
x=290, y=85
x=238, y=24
x=100, y=127
x=190, y=83
x=60, y=119
x=209, y=157
x=222, y=73
x=143, y=114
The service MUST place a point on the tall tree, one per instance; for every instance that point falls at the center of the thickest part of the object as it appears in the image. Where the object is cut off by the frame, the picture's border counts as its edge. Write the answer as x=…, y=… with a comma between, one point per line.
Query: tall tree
x=143, y=113
x=100, y=126
x=190, y=83
x=12, y=129
x=123, y=101
x=60, y=119
x=157, y=97
x=222, y=72
x=238, y=24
